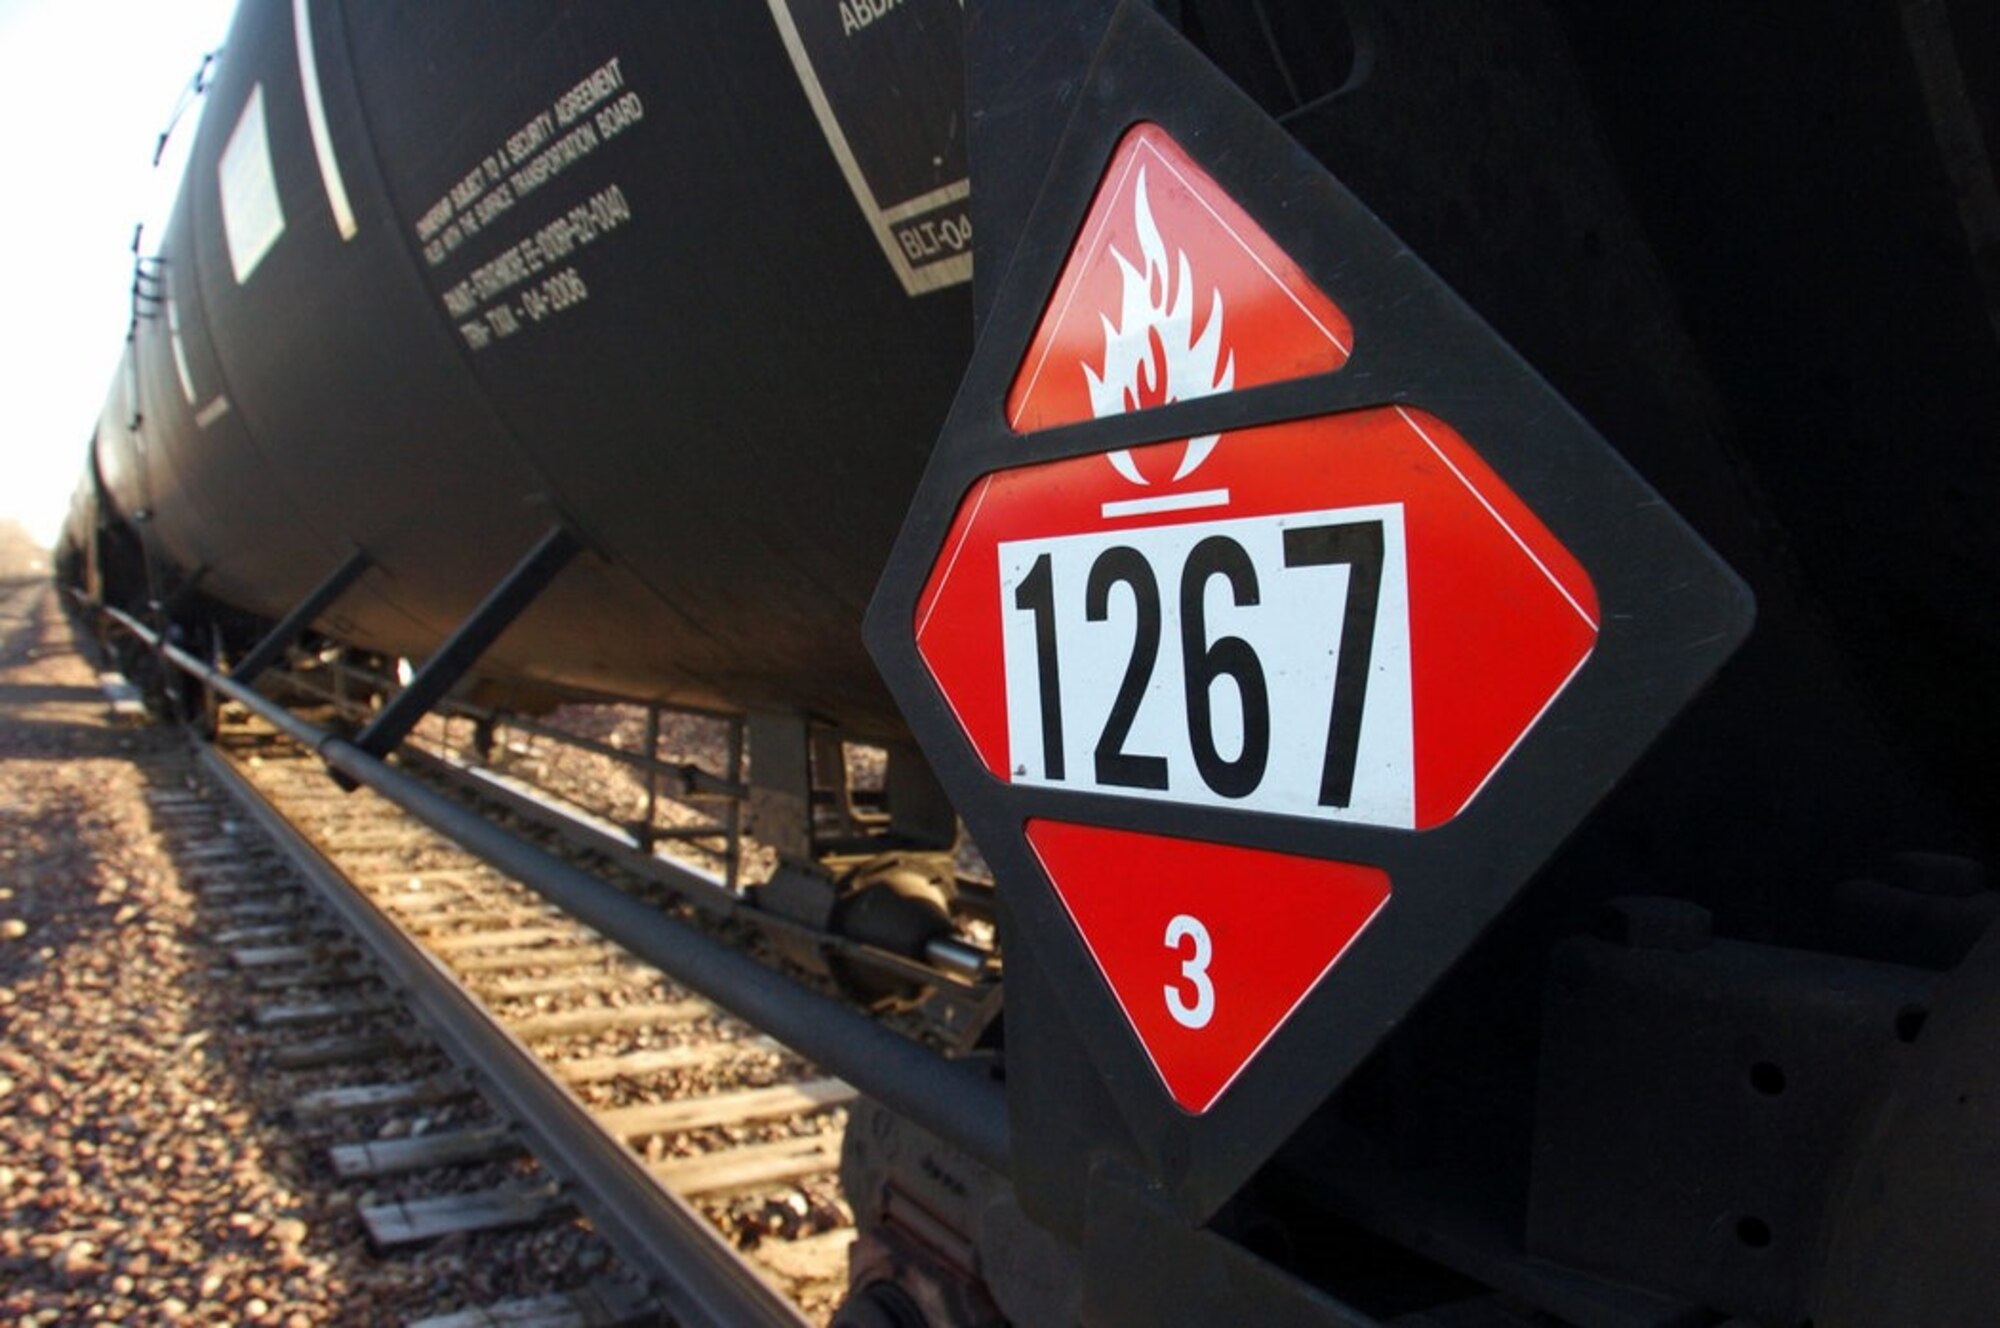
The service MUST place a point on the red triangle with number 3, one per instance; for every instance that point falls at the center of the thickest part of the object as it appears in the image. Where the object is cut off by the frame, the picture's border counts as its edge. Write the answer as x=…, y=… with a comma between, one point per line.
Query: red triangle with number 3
x=1208, y=948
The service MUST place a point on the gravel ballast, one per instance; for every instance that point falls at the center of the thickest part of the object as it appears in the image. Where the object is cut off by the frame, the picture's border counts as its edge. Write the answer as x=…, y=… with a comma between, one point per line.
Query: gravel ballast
x=147, y=1172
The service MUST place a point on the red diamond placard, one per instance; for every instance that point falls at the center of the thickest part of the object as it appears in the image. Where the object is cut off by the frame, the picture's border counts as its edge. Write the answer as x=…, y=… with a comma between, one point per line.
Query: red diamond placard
x=1480, y=618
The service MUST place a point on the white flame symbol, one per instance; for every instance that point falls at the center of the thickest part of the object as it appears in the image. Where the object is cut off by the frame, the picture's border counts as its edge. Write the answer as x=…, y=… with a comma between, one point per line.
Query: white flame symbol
x=1151, y=355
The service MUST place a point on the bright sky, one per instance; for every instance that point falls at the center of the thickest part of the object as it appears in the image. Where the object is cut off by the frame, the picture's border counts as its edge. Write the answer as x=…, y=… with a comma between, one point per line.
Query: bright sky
x=86, y=86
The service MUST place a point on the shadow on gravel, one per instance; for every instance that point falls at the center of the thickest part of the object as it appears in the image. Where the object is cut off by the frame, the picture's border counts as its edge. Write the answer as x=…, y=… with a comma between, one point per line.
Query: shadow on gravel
x=56, y=878
x=142, y=1169
x=45, y=693
x=23, y=640
x=69, y=721
x=26, y=738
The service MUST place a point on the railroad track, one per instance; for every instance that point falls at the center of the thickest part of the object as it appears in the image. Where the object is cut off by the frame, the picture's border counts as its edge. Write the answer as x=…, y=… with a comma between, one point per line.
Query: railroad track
x=578, y=1078
x=19, y=601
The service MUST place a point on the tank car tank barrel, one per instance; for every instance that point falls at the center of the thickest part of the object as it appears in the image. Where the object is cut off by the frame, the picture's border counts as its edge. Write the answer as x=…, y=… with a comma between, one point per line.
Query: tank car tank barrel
x=955, y=1102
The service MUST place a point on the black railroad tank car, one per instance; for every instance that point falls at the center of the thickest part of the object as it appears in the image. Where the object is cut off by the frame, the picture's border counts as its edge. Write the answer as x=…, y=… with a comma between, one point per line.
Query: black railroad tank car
x=443, y=277
x=693, y=283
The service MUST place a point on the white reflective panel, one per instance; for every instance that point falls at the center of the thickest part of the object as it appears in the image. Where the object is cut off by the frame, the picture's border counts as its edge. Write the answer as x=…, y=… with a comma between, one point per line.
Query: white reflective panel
x=252, y=217
x=1210, y=662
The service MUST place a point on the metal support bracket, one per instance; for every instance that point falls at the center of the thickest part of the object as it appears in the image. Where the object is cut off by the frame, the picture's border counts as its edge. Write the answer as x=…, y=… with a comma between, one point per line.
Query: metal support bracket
x=495, y=614
x=294, y=624
x=781, y=784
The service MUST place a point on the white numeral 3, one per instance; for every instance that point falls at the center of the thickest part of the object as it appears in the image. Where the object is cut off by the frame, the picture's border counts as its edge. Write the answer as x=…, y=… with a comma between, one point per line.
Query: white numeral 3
x=1194, y=971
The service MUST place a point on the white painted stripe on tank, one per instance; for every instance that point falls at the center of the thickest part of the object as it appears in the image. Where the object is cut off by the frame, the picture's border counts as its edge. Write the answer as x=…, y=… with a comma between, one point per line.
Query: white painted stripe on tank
x=212, y=412
x=329, y=165
x=181, y=368
x=180, y=352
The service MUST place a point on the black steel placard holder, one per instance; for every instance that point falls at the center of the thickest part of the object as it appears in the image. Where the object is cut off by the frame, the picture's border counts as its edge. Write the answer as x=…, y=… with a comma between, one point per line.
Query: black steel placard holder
x=1098, y=1140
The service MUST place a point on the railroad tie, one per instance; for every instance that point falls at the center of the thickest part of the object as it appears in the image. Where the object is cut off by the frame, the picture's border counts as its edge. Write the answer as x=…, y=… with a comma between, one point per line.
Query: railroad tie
x=299, y=1014
x=512, y=939
x=602, y=1304
x=345, y=1048
x=431, y=922
x=633, y=1064
x=231, y=854
x=171, y=797
x=276, y=933
x=316, y=976
x=415, y=1221
x=231, y=892
x=606, y=1019
x=747, y=1168
x=292, y=905
x=390, y=1157
x=503, y=961
x=356, y=1098
x=127, y=706
x=750, y=1104
x=283, y=956
x=442, y=902
x=420, y=880
x=367, y=840
x=627, y=977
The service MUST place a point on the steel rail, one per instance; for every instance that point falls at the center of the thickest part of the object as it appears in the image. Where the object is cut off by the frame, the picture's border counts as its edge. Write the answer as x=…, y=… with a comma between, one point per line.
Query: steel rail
x=697, y=1275
x=956, y=1102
